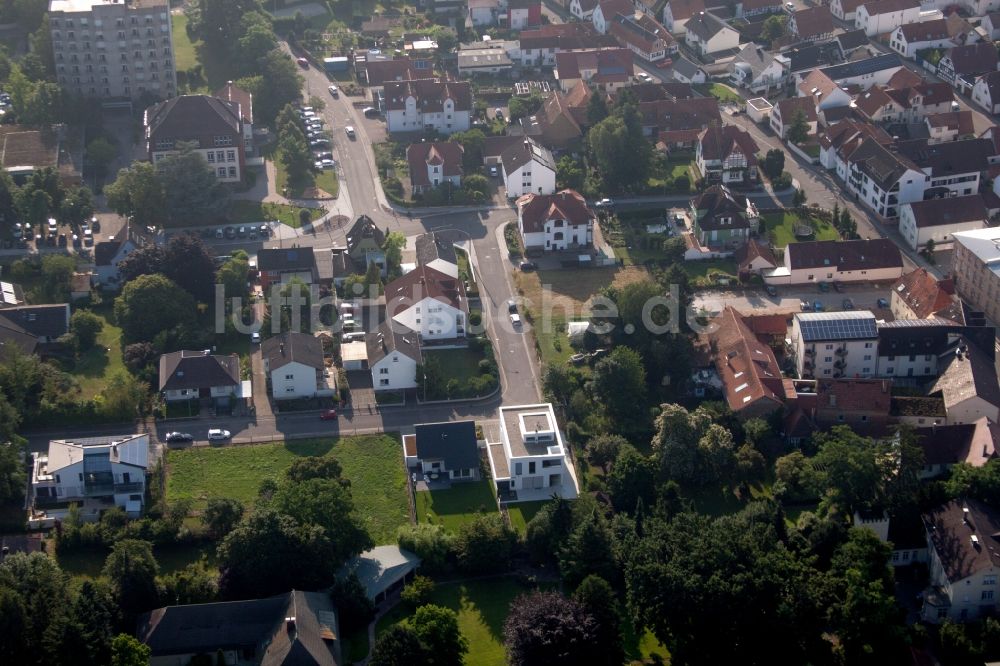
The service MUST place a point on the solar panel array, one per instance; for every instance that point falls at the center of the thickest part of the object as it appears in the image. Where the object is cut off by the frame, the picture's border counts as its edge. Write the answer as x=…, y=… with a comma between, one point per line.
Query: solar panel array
x=7, y=295
x=837, y=326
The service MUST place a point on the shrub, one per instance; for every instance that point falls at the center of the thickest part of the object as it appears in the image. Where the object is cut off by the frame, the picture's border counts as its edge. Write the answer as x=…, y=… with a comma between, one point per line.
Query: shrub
x=418, y=591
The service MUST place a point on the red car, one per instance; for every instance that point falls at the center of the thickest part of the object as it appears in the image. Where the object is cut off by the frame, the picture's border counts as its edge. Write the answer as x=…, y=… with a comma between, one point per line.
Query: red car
x=303, y=63
x=328, y=415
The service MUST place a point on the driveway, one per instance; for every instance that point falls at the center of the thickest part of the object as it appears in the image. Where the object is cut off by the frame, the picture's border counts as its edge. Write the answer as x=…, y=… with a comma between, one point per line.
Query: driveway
x=261, y=399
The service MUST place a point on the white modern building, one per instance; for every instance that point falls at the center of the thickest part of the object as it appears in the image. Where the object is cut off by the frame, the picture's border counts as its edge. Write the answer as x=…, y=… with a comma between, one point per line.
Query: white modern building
x=530, y=461
x=94, y=473
x=976, y=263
x=116, y=51
x=835, y=344
x=293, y=362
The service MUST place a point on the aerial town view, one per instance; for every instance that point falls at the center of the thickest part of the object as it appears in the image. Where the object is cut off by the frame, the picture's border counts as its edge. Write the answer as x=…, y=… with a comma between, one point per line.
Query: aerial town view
x=499, y=332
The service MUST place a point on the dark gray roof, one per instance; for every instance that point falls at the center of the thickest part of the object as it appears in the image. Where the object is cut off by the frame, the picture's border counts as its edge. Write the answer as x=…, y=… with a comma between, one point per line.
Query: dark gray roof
x=863, y=254
x=15, y=336
x=293, y=259
x=389, y=337
x=105, y=251
x=906, y=340
x=522, y=152
x=949, y=157
x=453, y=442
x=237, y=625
x=39, y=321
x=717, y=202
x=196, y=370
x=431, y=246
x=686, y=67
x=283, y=349
x=861, y=67
x=705, y=25
x=851, y=40
x=364, y=228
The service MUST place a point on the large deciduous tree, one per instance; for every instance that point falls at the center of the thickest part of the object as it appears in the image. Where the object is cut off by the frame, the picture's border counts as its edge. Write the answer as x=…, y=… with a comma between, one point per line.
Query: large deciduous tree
x=138, y=193
x=191, y=190
x=620, y=151
x=151, y=304
x=131, y=569
x=619, y=383
x=437, y=630
x=485, y=545
x=547, y=628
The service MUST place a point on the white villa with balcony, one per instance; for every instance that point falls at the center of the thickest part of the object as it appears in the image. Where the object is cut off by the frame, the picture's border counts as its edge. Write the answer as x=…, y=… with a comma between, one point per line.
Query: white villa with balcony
x=530, y=461
x=96, y=473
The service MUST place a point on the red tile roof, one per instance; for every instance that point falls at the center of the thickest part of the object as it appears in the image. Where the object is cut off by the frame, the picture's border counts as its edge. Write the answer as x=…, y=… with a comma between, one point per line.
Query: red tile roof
x=446, y=154
x=750, y=374
x=422, y=282
x=685, y=9
x=535, y=209
x=923, y=294
x=611, y=65
x=813, y=21
x=854, y=395
x=429, y=94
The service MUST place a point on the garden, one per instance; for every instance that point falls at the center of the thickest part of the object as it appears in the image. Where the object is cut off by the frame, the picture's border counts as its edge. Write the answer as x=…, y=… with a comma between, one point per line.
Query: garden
x=450, y=374
x=371, y=462
x=249, y=212
x=456, y=506
x=784, y=227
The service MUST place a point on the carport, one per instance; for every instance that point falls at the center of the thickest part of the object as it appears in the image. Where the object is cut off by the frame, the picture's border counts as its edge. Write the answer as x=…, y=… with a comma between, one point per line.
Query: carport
x=354, y=355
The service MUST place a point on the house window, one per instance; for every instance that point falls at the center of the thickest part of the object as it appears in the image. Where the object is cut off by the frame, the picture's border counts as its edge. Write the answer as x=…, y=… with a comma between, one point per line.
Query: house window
x=211, y=157
x=289, y=376
x=829, y=346
x=383, y=371
x=868, y=345
x=230, y=155
x=864, y=419
x=827, y=359
x=906, y=556
x=895, y=556
x=987, y=595
x=868, y=357
x=383, y=382
x=232, y=172
x=989, y=580
x=517, y=469
x=290, y=389
x=57, y=479
x=395, y=359
x=222, y=172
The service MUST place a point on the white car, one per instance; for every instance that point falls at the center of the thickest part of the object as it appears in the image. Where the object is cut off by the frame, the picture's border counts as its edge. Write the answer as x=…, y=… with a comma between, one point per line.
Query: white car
x=218, y=434
x=515, y=320
x=255, y=338
x=349, y=130
x=325, y=164
x=644, y=77
x=333, y=91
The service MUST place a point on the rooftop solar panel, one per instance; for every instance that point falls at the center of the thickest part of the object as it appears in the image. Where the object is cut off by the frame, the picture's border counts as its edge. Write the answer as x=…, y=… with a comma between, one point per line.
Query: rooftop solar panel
x=837, y=326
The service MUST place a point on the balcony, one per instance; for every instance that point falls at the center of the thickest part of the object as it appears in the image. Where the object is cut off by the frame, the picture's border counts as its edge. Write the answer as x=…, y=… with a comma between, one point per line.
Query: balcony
x=839, y=364
x=841, y=351
x=807, y=365
x=810, y=352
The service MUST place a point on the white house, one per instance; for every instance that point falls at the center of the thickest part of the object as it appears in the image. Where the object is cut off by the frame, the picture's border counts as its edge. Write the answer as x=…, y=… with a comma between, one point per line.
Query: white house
x=294, y=363
x=756, y=69
x=968, y=384
x=809, y=262
x=986, y=92
x=686, y=71
x=883, y=179
x=95, y=473
x=559, y=221
x=447, y=450
x=528, y=167
x=938, y=219
x=835, y=344
x=484, y=12
x=883, y=16
x=191, y=375
x=107, y=256
x=530, y=461
x=961, y=544
x=582, y=10
x=707, y=34
x=393, y=356
x=783, y=115
x=728, y=154
x=429, y=302
x=414, y=106
x=845, y=9
x=607, y=10
x=433, y=164
x=823, y=91
x=907, y=39
x=676, y=13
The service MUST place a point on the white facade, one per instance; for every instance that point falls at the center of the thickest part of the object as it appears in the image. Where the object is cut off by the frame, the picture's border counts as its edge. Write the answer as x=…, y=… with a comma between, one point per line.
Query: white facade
x=530, y=178
x=558, y=235
x=674, y=25
x=534, y=458
x=394, y=372
x=298, y=380
x=91, y=472
x=971, y=410
x=910, y=187
x=881, y=23
x=917, y=237
x=432, y=319
x=108, y=276
x=981, y=96
x=785, y=274
x=825, y=359
x=224, y=162
x=725, y=39
x=576, y=9
x=837, y=9
x=410, y=119
x=601, y=21
x=909, y=50
x=193, y=394
x=908, y=365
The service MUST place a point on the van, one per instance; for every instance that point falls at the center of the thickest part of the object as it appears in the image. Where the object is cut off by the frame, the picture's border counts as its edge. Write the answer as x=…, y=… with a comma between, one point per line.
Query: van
x=357, y=336
x=351, y=325
x=345, y=307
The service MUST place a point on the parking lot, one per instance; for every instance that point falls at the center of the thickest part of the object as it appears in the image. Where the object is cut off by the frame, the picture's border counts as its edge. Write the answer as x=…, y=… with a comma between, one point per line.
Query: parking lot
x=790, y=300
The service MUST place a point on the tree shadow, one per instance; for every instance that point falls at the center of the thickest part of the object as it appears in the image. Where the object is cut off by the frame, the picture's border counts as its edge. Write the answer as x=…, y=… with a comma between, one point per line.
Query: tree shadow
x=92, y=363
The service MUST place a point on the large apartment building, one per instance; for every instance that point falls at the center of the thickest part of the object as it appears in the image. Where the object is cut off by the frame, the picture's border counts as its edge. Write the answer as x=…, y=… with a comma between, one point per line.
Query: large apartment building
x=113, y=50
x=977, y=269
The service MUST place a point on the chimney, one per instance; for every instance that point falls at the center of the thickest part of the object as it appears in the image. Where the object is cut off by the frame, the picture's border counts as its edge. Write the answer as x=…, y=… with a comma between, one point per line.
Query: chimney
x=290, y=628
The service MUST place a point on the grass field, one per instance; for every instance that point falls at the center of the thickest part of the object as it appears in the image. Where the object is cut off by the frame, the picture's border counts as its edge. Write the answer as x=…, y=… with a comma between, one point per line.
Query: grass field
x=185, y=55
x=456, y=506
x=98, y=364
x=780, y=228
x=88, y=563
x=482, y=607
x=371, y=462
x=248, y=212
x=564, y=292
x=698, y=271
x=522, y=513
x=460, y=364
x=721, y=92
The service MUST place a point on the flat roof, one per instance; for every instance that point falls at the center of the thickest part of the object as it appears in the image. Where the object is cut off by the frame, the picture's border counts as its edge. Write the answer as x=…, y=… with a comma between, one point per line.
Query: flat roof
x=760, y=103
x=354, y=351
x=984, y=243
x=530, y=430
x=88, y=5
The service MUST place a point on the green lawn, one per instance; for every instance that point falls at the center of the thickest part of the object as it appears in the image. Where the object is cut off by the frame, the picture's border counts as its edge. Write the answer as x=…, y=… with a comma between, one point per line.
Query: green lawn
x=460, y=364
x=522, y=513
x=482, y=607
x=703, y=273
x=97, y=365
x=780, y=228
x=642, y=648
x=185, y=55
x=553, y=344
x=372, y=463
x=456, y=506
x=88, y=563
x=249, y=212
x=721, y=92
x=328, y=182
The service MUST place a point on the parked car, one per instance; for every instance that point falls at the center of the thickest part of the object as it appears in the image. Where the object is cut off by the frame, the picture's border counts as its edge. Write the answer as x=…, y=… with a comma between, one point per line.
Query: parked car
x=218, y=434
x=325, y=164
x=494, y=170
x=264, y=231
x=771, y=291
x=328, y=415
x=349, y=130
x=62, y=240
x=527, y=266
x=605, y=203
x=324, y=155
x=498, y=113
x=175, y=437
x=823, y=287
x=370, y=112
x=577, y=359
x=598, y=353
x=241, y=232
x=333, y=91
x=511, y=307
x=76, y=241
x=644, y=77
x=848, y=304
x=882, y=303
x=321, y=142
x=515, y=320
x=95, y=225
x=838, y=287
x=804, y=306
x=302, y=62
x=255, y=337
x=818, y=306
x=230, y=233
